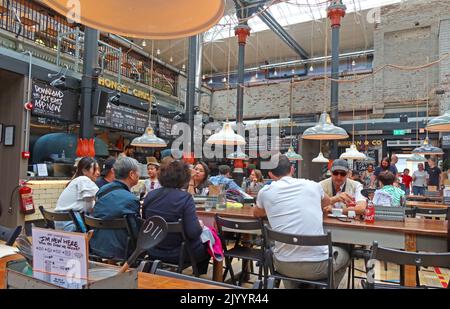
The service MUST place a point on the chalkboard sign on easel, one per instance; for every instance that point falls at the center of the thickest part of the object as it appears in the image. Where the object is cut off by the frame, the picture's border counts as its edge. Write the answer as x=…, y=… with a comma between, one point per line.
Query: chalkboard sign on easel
x=51, y=102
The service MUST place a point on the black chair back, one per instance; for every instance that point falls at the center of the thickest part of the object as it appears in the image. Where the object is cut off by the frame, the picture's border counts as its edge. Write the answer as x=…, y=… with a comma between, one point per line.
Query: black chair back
x=432, y=212
x=51, y=217
x=9, y=235
x=402, y=258
x=299, y=240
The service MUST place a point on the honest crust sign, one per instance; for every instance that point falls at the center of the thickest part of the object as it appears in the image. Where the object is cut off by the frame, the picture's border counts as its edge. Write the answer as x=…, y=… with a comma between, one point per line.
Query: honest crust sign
x=51, y=102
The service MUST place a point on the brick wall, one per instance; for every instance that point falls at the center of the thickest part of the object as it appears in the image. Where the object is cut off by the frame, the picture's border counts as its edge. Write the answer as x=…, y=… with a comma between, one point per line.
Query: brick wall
x=444, y=67
x=408, y=34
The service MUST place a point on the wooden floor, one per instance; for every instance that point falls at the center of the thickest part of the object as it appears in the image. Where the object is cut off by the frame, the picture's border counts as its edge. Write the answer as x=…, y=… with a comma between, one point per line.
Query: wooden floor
x=436, y=277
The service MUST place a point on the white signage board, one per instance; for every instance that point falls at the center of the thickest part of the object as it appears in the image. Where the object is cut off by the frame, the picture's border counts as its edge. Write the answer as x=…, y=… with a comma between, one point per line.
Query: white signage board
x=60, y=258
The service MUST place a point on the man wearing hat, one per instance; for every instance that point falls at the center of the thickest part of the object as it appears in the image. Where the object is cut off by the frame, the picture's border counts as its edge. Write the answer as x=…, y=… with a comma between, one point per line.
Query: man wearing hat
x=343, y=192
x=152, y=169
x=107, y=174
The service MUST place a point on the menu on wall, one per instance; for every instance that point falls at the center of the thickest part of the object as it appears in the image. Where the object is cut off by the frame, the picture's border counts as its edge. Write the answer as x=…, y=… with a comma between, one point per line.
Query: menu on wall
x=123, y=118
x=165, y=126
x=60, y=258
x=51, y=102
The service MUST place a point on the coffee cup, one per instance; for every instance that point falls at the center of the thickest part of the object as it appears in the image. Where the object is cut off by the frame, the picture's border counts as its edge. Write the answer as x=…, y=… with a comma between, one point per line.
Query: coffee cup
x=351, y=214
x=336, y=212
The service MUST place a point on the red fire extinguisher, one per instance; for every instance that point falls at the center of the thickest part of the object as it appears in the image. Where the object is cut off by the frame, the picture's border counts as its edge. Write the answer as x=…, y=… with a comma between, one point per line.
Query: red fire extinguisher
x=26, y=199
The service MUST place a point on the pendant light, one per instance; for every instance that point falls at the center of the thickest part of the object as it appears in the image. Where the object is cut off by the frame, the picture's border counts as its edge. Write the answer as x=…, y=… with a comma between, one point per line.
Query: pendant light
x=352, y=153
x=226, y=136
x=320, y=158
x=149, y=139
x=237, y=155
x=416, y=158
x=427, y=148
x=440, y=124
x=325, y=130
x=291, y=154
x=146, y=19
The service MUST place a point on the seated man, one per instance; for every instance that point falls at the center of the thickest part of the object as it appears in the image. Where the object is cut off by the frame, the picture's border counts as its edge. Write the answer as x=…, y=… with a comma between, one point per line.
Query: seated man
x=295, y=206
x=388, y=195
x=114, y=201
x=224, y=178
x=344, y=193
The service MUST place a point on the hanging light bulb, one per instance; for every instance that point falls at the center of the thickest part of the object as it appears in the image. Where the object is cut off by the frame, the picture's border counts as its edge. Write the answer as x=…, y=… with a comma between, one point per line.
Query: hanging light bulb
x=292, y=155
x=203, y=76
x=320, y=159
x=256, y=75
x=171, y=59
x=144, y=43
x=325, y=130
x=353, y=63
x=275, y=73
x=352, y=154
x=158, y=52
x=210, y=81
x=226, y=136
x=293, y=71
x=224, y=80
x=311, y=68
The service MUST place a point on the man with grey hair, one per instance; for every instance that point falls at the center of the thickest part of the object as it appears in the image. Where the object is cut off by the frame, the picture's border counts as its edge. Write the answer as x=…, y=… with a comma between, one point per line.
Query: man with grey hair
x=114, y=201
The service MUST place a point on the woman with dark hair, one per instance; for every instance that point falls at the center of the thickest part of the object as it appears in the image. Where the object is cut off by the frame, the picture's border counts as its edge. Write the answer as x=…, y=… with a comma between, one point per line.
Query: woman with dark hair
x=256, y=183
x=199, y=184
x=172, y=203
x=79, y=193
x=385, y=165
x=389, y=194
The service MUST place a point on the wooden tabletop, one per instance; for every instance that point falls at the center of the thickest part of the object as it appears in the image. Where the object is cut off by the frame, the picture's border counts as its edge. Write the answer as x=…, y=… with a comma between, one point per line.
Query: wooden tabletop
x=425, y=204
x=3, y=263
x=245, y=212
x=151, y=281
x=423, y=198
x=417, y=226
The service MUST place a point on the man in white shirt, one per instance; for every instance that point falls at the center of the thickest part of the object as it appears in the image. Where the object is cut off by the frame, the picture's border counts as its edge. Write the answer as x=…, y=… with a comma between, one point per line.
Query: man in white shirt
x=295, y=206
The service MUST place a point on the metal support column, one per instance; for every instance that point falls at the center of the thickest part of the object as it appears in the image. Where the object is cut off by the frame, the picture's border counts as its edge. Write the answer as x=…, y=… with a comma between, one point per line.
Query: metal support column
x=87, y=83
x=190, y=92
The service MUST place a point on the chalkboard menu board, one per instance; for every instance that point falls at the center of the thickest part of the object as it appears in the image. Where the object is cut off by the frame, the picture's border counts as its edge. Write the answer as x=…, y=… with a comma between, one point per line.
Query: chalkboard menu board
x=165, y=126
x=51, y=102
x=123, y=118
x=361, y=166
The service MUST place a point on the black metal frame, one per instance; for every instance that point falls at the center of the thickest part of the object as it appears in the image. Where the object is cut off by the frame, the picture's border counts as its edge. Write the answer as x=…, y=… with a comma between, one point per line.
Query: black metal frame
x=51, y=217
x=9, y=235
x=299, y=240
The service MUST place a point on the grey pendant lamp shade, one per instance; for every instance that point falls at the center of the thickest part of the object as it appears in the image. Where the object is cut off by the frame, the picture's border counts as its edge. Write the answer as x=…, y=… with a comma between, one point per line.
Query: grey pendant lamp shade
x=440, y=124
x=148, y=139
x=352, y=154
x=226, y=136
x=292, y=155
x=325, y=130
x=427, y=149
x=237, y=155
x=145, y=19
x=416, y=158
x=320, y=159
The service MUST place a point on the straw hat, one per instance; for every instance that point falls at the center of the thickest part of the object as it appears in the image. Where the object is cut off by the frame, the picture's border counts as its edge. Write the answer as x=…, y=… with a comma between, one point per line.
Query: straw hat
x=152, y=161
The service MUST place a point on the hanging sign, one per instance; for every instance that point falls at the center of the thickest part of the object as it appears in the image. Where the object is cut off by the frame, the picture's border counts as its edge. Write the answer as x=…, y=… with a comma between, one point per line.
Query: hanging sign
x=60, y=258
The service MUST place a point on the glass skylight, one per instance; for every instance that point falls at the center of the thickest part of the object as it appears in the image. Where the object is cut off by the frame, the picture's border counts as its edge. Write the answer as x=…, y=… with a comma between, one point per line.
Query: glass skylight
x=290, y=12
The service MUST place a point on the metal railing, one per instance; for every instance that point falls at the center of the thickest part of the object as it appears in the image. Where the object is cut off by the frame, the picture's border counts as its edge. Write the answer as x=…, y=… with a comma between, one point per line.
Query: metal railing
x=30, y=20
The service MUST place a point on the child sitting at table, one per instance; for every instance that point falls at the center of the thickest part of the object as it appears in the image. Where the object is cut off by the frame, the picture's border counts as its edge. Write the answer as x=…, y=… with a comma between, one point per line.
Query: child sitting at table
x=388, y=194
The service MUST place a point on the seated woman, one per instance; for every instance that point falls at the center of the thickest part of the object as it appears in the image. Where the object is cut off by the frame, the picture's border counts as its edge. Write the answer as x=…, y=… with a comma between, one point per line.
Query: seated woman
x=388, y=194
x=199, y=183
x=79, y=193
x=172, y=203
x=256, y=183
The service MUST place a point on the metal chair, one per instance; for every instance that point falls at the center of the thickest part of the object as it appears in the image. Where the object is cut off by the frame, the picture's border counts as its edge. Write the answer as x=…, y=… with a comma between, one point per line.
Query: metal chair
x=402, y=258
x=185, y=248
x=51, y=217
x=241, y=250
x=112, y=224
x=9, y=235
x=299, y=240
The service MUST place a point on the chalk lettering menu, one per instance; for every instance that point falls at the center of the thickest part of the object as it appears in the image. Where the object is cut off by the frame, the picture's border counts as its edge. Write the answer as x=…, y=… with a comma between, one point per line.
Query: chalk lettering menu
x=123, y=118
x=51, y=102
x=165, y=126
x=60, y=258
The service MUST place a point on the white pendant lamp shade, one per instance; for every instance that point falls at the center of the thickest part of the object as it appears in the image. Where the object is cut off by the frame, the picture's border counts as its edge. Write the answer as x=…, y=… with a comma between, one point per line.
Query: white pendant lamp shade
x=352, y=154
x=416, y=158
x=440, y=124
x=148, y=139
x=237, y=155
x=226, y=136
x=320, y=159
x=325, y=130
x=292, y=155
x=146, y=19
x=427, y=149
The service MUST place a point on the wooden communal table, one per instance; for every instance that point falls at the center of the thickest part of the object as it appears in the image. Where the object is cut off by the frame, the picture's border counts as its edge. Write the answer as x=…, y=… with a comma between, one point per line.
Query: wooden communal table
x=413, y=234
x=151, y=281
x=245, y=213
x=422, y=204
x=424, y=198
